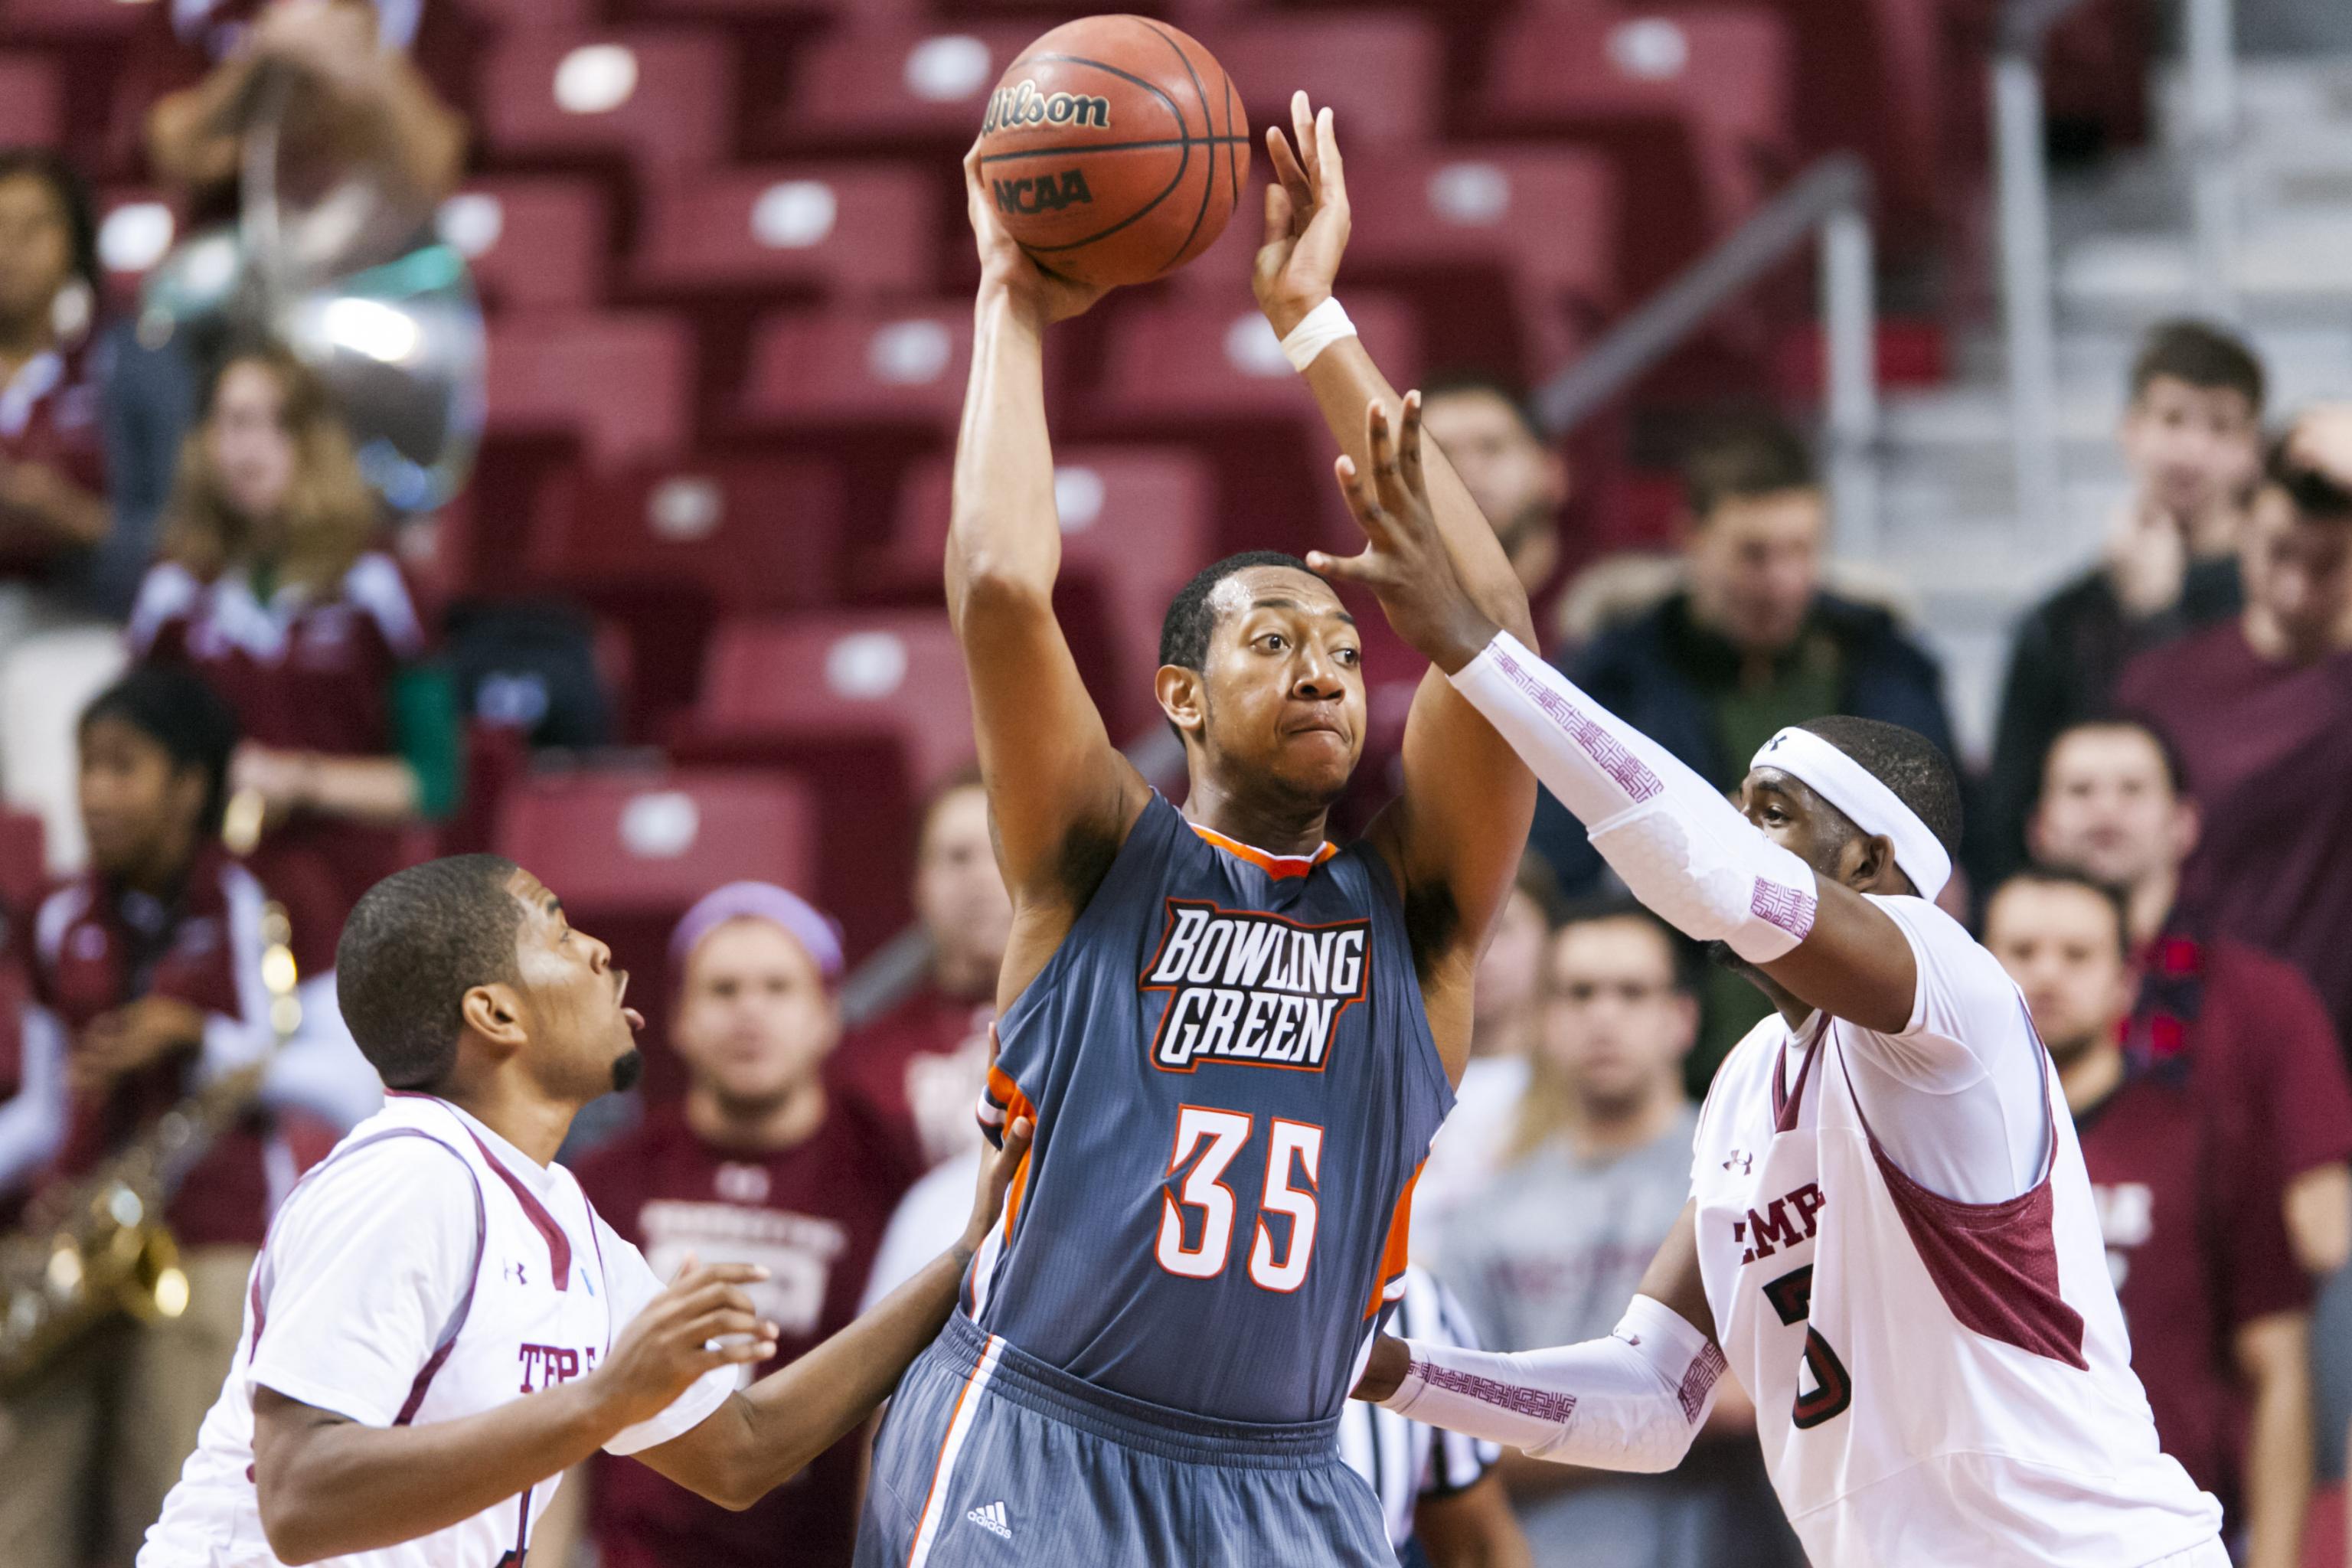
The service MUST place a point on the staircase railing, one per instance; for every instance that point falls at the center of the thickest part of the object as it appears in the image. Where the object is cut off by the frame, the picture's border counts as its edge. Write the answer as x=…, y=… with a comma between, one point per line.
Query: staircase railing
x=1828, y=203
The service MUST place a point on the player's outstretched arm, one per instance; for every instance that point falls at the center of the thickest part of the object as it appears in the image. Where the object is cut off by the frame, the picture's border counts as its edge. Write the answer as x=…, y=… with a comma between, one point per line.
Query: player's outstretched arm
x=1457, y=830
x=1632, y=1401
x=765, y=1435
x=1053, y=777
x=1684, y=851
x=329, y=1486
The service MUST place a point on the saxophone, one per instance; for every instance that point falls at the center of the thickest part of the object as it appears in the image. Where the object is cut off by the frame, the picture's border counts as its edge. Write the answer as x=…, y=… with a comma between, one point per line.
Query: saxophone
x=98, y=1248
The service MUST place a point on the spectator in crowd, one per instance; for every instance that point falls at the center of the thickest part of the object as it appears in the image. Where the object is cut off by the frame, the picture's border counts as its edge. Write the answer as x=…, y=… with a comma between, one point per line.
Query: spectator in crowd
x=759, y=1164
x=1506, y=1010
x=149, y=967
x=1752, y=643
x=2218, y=1312
x=359, y=101
x=271, y=587
x=921, y=1064
x=2259, y=712
x=2245, y=1028
x=53, y=511
x=2192, y=441
x=1595, y=1172
x=1487, y=431
x=1441, y=1494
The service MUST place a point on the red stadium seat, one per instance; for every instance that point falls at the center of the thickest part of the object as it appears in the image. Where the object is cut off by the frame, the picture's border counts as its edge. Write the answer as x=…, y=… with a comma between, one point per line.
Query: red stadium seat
x=32, y=102
x=749, y=532
x=1186, y=360
x=1508, y=252
x=848, y=230
x=868, y=365
x=1136, y=522
x=892, y=674
x=1692, y=104
x=897, y=85
x=1381, y=73
x=621, y=383
x=534, y=242
x=628, y=851
x=662, y=97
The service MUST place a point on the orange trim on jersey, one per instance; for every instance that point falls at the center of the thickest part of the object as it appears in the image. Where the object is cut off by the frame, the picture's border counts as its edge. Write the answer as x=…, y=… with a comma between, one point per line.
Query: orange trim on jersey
x=1395, y=1255
x=1278, y=867
x=940, y=1465
x=1012, y=1195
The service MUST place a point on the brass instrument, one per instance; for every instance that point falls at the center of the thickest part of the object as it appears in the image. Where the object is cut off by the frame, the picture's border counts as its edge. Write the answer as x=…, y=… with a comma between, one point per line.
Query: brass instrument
x=98, y=1248
x=353, y=283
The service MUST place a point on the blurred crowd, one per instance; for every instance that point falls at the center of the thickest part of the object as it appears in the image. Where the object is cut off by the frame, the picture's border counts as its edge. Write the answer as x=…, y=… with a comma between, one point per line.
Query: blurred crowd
x=223, y=688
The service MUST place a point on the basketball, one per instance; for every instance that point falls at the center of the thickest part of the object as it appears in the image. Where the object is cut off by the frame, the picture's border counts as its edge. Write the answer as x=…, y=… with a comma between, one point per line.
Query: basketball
x=1113, y=150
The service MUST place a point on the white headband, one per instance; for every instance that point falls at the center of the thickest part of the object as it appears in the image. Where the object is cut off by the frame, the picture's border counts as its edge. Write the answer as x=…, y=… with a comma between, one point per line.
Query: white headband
x=1871, y=807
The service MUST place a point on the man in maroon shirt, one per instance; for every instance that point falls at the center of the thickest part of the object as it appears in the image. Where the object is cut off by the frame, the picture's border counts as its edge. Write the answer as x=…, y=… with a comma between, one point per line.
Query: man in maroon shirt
x=2245, y=1027
x=149, y=965
x=759, y=1164
x=2259, y=712
x=920, y=1065
x=2218, y=1312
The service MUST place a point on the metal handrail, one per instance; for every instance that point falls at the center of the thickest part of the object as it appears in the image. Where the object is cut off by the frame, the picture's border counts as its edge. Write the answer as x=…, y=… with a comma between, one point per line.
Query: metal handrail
x=1830, y=201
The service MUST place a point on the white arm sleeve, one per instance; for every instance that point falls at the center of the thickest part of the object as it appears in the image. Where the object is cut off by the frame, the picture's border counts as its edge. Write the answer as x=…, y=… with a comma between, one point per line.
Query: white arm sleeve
x=1631, y=1402
x=1681, y=848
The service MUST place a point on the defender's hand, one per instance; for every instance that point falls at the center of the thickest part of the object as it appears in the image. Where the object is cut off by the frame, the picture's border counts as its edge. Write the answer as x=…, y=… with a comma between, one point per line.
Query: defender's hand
x=667, y=1346
x=996, y=1179
x=1406, y=563
x=1003, y=265
x=1307, y=218
x=1384, y=1370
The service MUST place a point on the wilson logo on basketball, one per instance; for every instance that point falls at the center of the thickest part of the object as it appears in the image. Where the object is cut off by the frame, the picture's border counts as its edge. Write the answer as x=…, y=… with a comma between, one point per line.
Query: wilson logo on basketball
x=1011, y=108
x=1044, y=193
x=1252, y=989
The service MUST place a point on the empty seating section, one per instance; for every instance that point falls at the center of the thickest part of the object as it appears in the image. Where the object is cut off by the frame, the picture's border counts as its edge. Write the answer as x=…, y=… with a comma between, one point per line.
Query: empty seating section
x=720, y=243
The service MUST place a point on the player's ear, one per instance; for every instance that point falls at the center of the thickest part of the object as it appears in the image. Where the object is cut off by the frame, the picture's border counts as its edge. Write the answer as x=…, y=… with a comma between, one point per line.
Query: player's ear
x=1179, y=690
x=1866, y=861
x=494, y=1012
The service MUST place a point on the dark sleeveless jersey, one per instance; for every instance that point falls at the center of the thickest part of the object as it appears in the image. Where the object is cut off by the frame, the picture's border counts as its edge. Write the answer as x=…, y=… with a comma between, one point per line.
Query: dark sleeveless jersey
x=1233, y=1084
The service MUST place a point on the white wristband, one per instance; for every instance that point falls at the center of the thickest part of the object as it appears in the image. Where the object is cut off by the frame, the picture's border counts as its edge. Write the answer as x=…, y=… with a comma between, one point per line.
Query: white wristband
x=1316, y=330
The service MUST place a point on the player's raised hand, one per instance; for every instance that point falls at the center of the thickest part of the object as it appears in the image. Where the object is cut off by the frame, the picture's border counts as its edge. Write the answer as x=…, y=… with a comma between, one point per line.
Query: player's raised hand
x=1406, y=562
x=1306, y=217
x=996, y=1179
x=669, y=1344
x=1004, y=265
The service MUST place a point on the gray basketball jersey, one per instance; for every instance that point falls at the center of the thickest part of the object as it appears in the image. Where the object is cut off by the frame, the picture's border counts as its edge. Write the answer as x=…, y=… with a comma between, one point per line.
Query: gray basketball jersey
x=1235, y=1085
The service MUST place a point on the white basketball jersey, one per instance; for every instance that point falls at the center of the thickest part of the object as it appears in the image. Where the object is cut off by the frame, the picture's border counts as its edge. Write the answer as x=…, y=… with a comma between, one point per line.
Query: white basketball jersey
x=426, y=1270
x=1938, y=1384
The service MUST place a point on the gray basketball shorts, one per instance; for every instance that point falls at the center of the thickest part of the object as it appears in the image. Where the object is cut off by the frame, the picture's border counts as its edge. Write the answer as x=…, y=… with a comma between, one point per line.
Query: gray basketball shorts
x=991, y=1458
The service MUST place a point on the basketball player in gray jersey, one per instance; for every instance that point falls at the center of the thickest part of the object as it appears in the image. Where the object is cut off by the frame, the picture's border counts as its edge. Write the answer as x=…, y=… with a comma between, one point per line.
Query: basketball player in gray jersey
x=1235, y=1039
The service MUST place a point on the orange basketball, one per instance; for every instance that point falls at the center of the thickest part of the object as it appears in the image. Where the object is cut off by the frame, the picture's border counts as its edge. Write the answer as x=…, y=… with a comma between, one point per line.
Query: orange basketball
x=1113, y=150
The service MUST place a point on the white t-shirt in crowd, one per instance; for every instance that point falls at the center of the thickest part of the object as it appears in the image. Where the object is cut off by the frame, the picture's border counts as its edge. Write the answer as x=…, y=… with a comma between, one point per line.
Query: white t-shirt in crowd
x=928, y=1221
x=428, y=1270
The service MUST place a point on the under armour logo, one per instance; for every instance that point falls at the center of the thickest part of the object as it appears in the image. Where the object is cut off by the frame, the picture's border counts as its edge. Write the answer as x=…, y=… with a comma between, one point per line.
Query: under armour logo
x=514, y=1272
x=1741, y=1158
x=1774, y=743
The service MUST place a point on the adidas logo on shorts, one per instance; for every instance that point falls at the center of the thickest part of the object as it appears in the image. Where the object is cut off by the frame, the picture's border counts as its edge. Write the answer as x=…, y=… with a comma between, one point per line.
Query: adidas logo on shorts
x=991, y=1517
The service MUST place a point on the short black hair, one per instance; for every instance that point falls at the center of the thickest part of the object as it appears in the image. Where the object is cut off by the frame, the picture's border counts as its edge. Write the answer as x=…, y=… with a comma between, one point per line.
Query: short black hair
x=2210, y=358
x=1742, y=457
x=2043, y=875
x=1184, y=631
x=1682, y=954
x=179, y=710
x=1905, y=761
x=411, y=949
x=72, y=195
x=2316, y=494
x=1469, y=379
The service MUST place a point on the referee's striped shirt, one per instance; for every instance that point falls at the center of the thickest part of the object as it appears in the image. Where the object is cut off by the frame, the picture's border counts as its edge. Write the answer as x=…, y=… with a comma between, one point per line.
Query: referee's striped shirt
x=1404, y=1460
